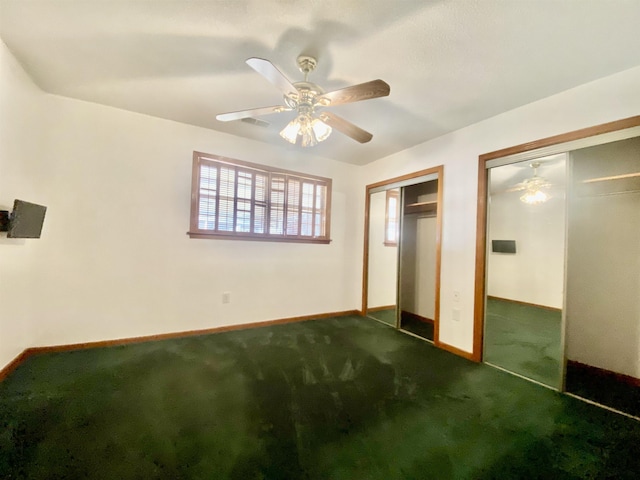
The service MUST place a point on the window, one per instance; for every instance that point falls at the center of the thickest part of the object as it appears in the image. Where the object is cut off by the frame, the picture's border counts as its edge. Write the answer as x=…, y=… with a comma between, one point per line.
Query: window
x=391, y=218
x=241, y=200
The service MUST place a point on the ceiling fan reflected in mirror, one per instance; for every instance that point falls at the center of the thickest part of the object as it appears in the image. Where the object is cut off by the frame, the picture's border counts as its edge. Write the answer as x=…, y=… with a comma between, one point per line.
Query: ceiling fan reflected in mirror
x=535, y=188
x=312, y=123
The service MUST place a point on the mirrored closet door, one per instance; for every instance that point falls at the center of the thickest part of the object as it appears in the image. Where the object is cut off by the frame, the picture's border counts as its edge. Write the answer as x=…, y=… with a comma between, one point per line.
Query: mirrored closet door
x=384, y=221
x=525, y=268
x=559, y=275
x=603, y=276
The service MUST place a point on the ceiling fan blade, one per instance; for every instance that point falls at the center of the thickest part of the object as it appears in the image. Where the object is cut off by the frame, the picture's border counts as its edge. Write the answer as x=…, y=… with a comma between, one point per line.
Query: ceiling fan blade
x=345, y=127
x=254, y=112
x=269, y=71
x=357, y=93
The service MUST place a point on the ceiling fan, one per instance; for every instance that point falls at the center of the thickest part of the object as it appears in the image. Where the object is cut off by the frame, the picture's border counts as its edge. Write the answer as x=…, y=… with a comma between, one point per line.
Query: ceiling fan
x=312, y=123
x=534, y=187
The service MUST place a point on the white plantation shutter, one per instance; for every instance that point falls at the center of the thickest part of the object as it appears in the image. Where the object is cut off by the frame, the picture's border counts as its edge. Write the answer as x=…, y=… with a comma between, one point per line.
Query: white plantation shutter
x=208, y=198
x=226, y=195
x=242, y=200
x=260, y=203
x=276, y=206
x=293, y=206
x=306, y=216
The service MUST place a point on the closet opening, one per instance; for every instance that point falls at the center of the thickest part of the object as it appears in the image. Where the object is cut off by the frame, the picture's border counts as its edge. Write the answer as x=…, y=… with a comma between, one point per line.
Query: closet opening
x=401, y=274
x=578, y=214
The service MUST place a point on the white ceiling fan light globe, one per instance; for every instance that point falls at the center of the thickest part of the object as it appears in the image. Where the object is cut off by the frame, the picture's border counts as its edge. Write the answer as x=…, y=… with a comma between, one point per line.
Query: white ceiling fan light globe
x=291, y=131
x=534, y=197
x=320, y=129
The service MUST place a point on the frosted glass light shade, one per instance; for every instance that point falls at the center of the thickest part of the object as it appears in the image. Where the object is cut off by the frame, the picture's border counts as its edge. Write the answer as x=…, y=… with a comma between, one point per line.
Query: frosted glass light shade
x=291, y=131
x=310, y=131
x=320, y=129
x=534, y=197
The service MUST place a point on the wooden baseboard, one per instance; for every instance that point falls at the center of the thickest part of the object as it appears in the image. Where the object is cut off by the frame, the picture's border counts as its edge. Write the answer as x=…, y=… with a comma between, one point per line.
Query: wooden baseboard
x=13, y=364
x=518, y=302
x=4, y=372
x=456, y=351
x=415, y=316
x=377, y=309
x=603, y=373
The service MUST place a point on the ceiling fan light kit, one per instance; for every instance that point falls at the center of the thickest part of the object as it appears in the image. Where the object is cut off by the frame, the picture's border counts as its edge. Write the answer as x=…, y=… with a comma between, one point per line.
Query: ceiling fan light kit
x=534, y=188
x=311, y=124
x=534, y=197
x=310, y=131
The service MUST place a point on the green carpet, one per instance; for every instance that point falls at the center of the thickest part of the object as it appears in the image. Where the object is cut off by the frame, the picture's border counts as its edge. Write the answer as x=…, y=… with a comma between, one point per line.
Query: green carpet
x=340, y=398
x=524, y=339
x=410, y=324
x=388, y=316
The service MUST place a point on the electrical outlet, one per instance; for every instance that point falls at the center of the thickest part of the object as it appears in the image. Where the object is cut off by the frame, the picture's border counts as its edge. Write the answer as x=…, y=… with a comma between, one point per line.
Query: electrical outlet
x=456, y=315
x=456, y=296
x=226, y=297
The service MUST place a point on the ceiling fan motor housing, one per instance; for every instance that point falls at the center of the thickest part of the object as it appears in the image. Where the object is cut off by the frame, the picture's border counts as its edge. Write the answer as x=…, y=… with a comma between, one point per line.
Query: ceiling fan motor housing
x=306, y=97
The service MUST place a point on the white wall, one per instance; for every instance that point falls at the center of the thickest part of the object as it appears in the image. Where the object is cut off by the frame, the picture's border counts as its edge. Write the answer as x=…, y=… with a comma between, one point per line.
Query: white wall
x=605, y=100
x=20, y=156
x=114, y=259
x=535, y=274
x=426, y=267
x=418, y=283
x=383, y=260
x=419, y=266
x=117, y=262
x=603, y=270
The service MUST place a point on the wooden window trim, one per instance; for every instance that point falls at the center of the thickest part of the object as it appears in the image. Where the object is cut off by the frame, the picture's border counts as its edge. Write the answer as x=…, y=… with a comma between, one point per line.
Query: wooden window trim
x=322, y=187
x=392, y=193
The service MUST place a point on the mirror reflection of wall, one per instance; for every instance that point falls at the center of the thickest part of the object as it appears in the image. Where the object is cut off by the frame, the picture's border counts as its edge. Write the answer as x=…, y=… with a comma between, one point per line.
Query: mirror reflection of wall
x=523, y=322
x=603, y=276
x=383, y=256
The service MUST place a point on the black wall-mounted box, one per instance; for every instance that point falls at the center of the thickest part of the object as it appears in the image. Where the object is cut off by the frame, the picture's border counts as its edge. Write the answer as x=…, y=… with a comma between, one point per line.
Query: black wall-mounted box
x=503, y=246
x=4, y=220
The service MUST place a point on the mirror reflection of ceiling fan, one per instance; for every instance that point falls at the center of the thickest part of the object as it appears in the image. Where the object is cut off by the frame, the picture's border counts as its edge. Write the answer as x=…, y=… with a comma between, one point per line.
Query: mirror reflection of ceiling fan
x=535, y=187
x=312, y=123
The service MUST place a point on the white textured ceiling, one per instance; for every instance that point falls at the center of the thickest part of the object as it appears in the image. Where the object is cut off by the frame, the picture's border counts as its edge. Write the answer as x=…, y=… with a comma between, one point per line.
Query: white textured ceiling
x=450, y=63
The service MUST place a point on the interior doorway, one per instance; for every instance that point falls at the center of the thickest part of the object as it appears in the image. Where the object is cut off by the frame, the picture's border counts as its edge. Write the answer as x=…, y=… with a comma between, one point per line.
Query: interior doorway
x=418, y=250
x=401, y=274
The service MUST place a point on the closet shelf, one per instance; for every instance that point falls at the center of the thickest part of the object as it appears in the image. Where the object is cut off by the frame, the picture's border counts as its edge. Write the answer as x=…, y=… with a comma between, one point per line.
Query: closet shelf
x=421, y=207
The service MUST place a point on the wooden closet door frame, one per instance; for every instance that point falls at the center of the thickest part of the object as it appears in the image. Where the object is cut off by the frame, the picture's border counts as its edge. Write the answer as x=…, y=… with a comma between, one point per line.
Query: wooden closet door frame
x=439, y=171
x=481, y=223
